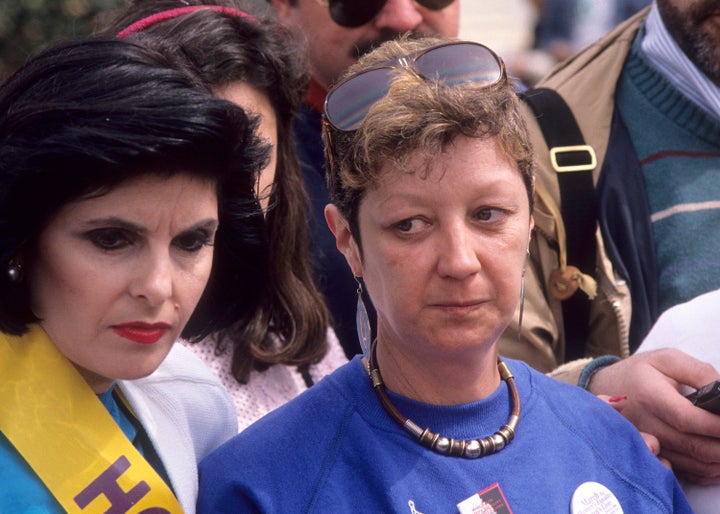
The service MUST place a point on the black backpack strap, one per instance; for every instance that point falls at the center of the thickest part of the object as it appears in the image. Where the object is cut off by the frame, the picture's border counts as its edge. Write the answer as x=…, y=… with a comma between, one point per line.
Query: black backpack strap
x=573, y=162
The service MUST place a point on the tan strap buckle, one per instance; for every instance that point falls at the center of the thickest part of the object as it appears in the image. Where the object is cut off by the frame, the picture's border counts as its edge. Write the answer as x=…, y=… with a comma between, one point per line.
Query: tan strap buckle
x=589, y=165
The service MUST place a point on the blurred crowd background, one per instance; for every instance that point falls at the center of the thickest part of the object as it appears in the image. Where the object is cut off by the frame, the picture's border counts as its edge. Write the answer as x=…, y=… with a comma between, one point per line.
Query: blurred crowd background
x=27, y=25
x=507, y=26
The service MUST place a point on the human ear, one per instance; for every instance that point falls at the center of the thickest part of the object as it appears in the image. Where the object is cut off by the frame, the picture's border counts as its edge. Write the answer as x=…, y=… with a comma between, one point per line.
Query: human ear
x=282, y=8
x=344, y=239
x=532, y=226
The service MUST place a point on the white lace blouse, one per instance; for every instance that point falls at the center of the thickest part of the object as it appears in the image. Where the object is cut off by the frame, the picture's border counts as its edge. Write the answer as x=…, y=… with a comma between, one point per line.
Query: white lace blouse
x=266, y=390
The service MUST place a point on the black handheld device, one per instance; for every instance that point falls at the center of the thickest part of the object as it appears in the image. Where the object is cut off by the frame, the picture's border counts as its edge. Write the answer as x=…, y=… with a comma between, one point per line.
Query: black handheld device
x=707, y=397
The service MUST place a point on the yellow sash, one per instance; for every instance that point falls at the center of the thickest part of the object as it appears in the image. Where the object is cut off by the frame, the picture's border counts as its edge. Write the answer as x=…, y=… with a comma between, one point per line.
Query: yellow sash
x=60, y=427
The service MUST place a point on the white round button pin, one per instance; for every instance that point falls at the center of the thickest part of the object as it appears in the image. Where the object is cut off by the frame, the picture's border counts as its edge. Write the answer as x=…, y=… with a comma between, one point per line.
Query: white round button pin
x=594, y=498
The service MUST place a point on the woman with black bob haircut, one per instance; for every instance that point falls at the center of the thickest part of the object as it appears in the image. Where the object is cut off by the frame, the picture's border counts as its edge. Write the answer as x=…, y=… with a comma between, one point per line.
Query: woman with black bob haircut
x=128, y=218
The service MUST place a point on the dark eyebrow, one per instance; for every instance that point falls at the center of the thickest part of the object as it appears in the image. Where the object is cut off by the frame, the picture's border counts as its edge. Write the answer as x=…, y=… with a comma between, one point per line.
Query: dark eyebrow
x=208, y=224
x=114, y=221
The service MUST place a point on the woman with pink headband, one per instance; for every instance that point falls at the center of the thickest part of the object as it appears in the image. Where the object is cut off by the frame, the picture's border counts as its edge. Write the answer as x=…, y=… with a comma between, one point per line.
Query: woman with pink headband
x=287, y=345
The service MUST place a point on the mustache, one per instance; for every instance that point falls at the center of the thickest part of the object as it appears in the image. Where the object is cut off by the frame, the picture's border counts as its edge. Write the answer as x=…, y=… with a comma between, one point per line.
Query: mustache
x=365, y=46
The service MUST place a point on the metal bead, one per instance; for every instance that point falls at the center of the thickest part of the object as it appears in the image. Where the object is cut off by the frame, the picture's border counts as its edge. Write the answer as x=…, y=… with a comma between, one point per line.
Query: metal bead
x=442, y=445
x=499, y=441
x=457, y=447
x=14, y=273
x=473, y=450
x=507, y=432
x=414, y=429
x=487, y=446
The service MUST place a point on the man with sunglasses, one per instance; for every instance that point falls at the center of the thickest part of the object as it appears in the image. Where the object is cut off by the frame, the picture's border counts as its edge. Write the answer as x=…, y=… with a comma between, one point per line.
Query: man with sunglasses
x=646, y=98
x=337, y=33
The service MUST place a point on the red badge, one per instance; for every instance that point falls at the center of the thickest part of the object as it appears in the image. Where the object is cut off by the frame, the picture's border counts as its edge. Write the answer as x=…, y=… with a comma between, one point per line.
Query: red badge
x=488, y=501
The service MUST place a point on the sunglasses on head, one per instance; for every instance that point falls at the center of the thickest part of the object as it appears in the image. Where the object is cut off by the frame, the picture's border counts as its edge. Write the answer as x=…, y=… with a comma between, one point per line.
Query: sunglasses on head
x=453, y=63
x=354, y=13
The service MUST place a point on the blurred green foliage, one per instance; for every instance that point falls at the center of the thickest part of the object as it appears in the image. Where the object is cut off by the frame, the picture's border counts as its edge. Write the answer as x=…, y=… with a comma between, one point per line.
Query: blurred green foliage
x=26, y=26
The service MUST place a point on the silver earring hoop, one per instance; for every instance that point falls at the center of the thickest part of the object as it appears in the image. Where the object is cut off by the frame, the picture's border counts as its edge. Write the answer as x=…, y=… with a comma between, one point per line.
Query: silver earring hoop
x=522, y=306
x=362, y=321
x=14, y=272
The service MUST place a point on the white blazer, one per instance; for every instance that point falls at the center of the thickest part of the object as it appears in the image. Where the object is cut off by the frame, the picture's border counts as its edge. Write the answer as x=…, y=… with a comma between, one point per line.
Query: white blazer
x=186, y=413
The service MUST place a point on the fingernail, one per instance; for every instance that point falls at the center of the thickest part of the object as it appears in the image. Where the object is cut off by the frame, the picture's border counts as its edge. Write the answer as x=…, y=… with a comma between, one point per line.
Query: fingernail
x=615, y=399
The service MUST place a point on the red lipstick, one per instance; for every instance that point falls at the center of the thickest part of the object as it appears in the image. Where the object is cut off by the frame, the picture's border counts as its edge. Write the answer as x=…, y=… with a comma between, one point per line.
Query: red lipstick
x=141, y=332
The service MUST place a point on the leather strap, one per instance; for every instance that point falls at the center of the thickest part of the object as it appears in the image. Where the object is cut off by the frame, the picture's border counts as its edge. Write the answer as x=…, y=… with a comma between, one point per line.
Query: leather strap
x=573, y=162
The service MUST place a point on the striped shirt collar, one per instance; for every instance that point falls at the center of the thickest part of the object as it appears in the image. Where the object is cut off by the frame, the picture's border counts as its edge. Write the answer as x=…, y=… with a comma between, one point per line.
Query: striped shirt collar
x=666, y=56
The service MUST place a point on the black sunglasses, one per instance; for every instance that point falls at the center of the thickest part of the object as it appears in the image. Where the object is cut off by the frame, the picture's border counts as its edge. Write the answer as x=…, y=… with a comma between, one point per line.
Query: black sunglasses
x=451, y=63
x=354, y=13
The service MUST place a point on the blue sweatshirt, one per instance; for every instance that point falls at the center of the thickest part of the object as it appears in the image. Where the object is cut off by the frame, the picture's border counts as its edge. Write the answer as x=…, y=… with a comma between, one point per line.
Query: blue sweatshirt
x=334, y=449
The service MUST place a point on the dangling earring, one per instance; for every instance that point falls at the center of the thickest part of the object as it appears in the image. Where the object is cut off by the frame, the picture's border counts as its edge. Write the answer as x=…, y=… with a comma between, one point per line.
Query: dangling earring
x=14, y=271
x=522, y=305
x=362, y=321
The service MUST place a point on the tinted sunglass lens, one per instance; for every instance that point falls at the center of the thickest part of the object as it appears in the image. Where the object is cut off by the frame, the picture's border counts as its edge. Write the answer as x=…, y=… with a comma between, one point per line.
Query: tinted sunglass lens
x=435, y=5
x=347, y=105
x=354, y=13
x=451, y=64
x=456, y=64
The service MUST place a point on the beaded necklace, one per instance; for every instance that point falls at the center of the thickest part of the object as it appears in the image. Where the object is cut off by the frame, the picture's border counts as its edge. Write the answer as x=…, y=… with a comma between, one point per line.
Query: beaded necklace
x=469, y=449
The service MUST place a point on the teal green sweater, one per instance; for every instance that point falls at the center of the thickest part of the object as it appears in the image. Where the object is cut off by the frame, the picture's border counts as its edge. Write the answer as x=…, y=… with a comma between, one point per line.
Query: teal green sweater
x=678, y=144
